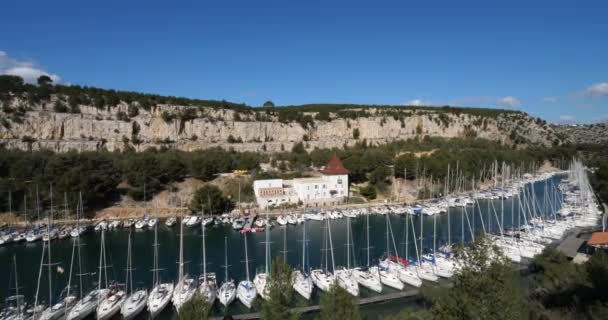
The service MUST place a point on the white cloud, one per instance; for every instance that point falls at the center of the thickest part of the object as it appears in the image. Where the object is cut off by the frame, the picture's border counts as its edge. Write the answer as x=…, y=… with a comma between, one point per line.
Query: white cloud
x=509, y=101
x=417, y=102
x=566, y=118
x=550, y=100
x=598, y=90
x=27, y=70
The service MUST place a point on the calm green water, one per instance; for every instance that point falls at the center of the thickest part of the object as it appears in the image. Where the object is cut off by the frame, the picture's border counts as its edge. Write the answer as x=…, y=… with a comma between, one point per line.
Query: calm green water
x=29, y=255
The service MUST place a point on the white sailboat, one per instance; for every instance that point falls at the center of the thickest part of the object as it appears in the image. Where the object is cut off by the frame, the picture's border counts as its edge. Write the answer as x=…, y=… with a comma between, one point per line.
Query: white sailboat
x=161, y=293
x=87, y=304
x=135, y=301
x=228, y=289
x=261, y=278
x=246, y=291
x=59, y=310
x=302, y=282
x=395, y=265
x=367, y=277
x=207, y=282
x=425, y=271
x=185, y=288
x=344, y=276
x=323, y=278
x=111, y=303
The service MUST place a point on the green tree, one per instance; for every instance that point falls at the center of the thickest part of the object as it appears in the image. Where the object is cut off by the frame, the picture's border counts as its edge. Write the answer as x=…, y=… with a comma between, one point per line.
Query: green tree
x=268, y=104
x=597, y=268
x=280, y=292
x=410, y=315
x=338, y=304
x=370, y=192
x=485, y=287
x=44, y=80
x=356, y=133
x=210, y=198
x=196, y=308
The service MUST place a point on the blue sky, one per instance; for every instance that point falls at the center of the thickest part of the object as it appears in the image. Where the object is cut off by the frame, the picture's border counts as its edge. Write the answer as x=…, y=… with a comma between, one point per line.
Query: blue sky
x=547, y=58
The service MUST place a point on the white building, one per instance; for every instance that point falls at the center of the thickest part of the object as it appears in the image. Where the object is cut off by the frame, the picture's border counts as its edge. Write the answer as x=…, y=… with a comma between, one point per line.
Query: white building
x=331, y=188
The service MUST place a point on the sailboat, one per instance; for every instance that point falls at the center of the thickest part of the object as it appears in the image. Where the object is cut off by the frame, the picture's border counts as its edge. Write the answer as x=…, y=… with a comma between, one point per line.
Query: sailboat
x=424, y=271
x=246, y=291
x=207, y=282
x=261, y=279
x=302, y=283
x=112, y=302
x=87, y=304
x=227, y=290
x=322, y=278
x=60, y=309
x=368, y=277
x=14, y=306
x=344, y=276
x=185, y=288
x=396, y=266
x=136, y=300
x=161, y=293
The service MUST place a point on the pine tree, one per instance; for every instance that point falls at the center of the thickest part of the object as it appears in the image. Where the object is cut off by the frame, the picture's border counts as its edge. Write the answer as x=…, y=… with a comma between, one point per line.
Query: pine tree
x=196, y=309
x=338, y=304
x=280, y=292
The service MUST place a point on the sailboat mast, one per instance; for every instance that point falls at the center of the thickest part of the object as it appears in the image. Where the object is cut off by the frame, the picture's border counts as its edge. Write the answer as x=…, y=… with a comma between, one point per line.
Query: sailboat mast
x=181, y=250
x=246, y=257
x=367, y=236
x=226, y=258
x=78, y=241
x=447, y=193
x=48, y=228
x=331, y=247
x=267, y=244
x=204, y=254
x=348, y=243
x=303, y=249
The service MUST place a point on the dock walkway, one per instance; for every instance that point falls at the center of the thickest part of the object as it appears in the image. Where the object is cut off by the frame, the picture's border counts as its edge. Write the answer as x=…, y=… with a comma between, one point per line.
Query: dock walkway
x=316, y=308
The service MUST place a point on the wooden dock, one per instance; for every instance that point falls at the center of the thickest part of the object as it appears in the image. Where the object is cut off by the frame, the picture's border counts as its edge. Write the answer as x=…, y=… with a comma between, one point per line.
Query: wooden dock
x=315, y=308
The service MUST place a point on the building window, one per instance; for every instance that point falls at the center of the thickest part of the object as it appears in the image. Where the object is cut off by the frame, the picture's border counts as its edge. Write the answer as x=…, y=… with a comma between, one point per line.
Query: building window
x=339, y=180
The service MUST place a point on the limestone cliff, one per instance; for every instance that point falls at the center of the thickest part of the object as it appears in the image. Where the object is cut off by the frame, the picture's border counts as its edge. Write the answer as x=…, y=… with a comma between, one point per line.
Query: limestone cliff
x=34, y=126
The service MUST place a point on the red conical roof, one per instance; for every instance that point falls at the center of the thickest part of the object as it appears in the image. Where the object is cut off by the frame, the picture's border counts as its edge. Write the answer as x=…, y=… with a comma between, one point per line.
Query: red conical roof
x=334, y=166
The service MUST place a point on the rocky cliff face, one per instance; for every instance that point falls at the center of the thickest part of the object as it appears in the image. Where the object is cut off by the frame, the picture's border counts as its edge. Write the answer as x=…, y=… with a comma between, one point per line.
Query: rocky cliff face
x=39, y=126
x=583, y=134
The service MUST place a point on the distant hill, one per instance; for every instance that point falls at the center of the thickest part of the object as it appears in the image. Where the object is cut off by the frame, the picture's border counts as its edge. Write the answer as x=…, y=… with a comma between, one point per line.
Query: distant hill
x=61, y=118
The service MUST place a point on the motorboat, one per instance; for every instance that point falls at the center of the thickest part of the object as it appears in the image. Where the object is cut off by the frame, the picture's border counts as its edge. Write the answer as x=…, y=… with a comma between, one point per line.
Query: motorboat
x=170, y=222
x=152, y=222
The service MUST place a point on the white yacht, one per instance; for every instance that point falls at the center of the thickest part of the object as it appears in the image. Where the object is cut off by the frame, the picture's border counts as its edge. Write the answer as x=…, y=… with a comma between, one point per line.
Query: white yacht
x=111, y=305
x=227, y=292
x=185, y=288
x=365, y=276
x=160, y=296
x=246, y=291
x=135, y=301
x=261, y=279
x=207, y=282
x=302, y=283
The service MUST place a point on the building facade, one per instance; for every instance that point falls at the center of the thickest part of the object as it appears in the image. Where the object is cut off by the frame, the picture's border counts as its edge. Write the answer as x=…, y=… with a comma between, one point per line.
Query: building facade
x=328, y=189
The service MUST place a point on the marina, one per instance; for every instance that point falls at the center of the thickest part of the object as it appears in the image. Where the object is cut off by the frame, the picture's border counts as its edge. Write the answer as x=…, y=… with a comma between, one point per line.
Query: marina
x=376, y=253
